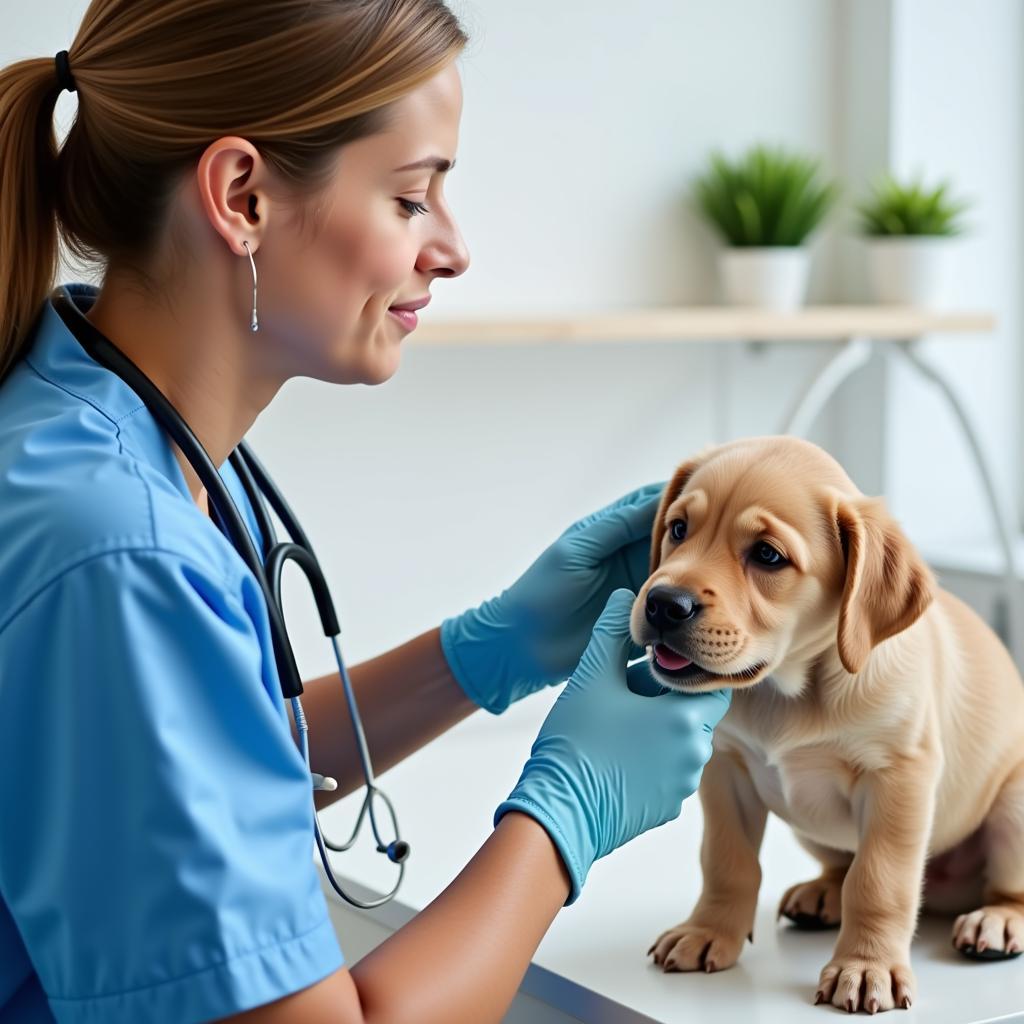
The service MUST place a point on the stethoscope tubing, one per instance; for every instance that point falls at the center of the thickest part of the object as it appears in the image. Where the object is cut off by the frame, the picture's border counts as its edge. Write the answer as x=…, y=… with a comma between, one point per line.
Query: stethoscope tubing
x=267, y=567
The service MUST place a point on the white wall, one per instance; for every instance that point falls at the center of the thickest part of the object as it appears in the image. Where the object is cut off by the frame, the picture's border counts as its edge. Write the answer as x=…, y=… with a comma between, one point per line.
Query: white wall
x=584, y=123
x=957, y=109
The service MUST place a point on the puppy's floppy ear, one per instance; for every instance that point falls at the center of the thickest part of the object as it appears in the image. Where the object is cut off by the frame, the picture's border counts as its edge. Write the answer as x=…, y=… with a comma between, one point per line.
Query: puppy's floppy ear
x=888, y=586
x=671, y=492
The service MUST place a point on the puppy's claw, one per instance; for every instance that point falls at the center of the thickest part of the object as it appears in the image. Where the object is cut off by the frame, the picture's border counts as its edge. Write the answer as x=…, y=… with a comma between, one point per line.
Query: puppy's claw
x=872, y=1005
x=819, y=997
x=903, y=989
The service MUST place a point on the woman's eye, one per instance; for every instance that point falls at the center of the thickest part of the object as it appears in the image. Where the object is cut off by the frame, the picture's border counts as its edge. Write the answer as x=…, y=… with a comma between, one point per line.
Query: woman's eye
x=678, y=530
x=412, y=207
x=764, y=554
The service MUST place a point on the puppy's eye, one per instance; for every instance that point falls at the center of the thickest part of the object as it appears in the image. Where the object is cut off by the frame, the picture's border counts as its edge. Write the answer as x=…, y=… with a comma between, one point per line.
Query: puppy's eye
x=678, y=530
x=765, y=555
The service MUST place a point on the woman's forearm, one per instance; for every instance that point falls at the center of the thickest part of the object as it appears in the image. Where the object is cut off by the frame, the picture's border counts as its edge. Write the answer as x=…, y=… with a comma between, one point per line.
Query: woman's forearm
x=463, y=957
x=406, y=696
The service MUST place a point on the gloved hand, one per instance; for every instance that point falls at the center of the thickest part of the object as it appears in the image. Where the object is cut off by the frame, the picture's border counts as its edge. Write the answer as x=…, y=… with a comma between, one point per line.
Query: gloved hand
x=533, y=634
x=609, y=764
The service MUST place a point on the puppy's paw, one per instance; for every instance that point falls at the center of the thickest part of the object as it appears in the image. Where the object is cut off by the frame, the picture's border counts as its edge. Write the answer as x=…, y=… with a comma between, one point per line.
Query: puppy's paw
x=991, y=933
x=856, y=983
x=694, y=947
x=814, y=905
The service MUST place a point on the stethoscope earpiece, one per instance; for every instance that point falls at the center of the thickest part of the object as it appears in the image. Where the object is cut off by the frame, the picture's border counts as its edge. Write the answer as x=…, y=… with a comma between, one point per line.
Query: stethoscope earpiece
x=397, y=851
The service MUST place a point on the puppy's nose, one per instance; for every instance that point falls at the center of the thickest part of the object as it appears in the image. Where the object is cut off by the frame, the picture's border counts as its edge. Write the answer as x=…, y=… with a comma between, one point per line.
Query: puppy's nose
x=668, y=607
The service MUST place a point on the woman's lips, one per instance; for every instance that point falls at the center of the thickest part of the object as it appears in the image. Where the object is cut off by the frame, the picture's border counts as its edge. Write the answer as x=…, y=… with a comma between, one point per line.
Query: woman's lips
x=406, y=317
x=405, y=312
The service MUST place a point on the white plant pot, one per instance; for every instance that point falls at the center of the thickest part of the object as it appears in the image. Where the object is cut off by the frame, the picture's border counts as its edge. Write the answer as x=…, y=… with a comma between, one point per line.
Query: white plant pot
x=912, y=270
x=769, y=277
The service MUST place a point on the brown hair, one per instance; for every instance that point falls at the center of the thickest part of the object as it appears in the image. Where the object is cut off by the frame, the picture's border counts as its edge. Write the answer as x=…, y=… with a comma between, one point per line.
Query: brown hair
x=158, y=81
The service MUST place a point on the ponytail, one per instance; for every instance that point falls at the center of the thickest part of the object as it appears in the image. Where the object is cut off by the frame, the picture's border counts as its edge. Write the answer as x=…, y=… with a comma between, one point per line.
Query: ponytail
x=28, y=223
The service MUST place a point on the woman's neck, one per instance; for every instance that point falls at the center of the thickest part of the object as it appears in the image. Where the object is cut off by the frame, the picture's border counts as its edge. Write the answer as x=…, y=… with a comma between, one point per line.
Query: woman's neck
x=198, y=350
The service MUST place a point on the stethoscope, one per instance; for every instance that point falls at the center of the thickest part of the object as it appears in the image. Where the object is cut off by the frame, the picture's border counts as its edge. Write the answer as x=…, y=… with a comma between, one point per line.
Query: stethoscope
x=267, y=570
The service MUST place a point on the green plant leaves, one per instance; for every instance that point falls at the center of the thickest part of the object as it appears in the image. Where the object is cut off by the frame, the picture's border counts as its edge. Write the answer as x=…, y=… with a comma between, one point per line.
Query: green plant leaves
x=894, y=208
x=768, y=196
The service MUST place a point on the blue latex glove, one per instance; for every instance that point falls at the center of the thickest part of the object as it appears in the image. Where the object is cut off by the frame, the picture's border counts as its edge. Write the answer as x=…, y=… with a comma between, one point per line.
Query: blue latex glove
x=609, y=764
x=533, y=634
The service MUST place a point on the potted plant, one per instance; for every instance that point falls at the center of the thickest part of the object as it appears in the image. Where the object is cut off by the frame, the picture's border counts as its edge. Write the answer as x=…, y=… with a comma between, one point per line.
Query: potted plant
x=911, y=234
x=765, y=205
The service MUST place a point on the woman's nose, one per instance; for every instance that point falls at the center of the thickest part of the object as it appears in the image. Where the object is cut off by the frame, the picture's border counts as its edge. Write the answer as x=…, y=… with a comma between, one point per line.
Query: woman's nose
x=445, y=255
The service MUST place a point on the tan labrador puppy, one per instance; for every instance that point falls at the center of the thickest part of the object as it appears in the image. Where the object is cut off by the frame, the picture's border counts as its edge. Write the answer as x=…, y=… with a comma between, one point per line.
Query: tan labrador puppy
x=872, y=711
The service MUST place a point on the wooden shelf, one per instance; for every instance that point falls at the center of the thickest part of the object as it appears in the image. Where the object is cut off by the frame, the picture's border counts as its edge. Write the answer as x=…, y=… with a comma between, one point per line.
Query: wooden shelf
x=710, y=323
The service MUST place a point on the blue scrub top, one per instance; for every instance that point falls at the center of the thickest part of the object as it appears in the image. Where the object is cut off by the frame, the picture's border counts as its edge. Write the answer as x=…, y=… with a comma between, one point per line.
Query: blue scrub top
x=156, y=815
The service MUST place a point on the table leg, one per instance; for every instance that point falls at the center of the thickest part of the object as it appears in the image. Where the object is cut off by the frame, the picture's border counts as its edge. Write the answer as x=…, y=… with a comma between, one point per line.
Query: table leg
x=852, y=355
x=1004, y=531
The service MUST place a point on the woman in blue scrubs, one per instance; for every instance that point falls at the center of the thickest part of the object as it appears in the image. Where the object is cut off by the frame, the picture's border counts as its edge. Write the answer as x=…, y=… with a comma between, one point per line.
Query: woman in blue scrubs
x=155, y=813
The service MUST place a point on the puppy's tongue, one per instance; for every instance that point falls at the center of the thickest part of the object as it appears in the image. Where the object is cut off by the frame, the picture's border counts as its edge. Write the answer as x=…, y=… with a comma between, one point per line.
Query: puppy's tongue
x=667, y=658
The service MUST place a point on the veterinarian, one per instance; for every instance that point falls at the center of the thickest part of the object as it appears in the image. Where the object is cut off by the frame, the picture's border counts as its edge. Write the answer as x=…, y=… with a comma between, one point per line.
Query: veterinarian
x=263, y=191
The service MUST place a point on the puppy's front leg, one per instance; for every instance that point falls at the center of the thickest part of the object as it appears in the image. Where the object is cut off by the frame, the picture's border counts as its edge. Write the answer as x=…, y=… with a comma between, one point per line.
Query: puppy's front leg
x=734, y=819
x=870, y=967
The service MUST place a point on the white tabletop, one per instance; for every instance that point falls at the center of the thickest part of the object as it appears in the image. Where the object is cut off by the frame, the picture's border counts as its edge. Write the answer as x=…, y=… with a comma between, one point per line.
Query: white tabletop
x=592, y=963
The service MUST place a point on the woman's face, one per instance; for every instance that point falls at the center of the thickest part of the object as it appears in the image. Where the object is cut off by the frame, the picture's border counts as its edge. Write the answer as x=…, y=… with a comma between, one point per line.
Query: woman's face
x=331, y=292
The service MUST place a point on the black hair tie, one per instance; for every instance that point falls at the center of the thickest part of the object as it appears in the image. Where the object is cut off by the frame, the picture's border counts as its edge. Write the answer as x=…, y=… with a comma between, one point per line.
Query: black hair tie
x=64, y=77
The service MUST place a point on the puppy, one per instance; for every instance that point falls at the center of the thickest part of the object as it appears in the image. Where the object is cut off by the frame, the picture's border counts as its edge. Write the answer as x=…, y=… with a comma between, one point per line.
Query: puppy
x=872, y=711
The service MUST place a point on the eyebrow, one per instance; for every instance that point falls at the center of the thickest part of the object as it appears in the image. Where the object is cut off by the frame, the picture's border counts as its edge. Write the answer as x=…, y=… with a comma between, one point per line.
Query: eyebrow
x=759, y=520
x=438, y=163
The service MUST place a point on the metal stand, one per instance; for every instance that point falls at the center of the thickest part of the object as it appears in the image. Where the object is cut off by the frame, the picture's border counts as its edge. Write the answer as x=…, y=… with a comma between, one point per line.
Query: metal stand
x=853, y=354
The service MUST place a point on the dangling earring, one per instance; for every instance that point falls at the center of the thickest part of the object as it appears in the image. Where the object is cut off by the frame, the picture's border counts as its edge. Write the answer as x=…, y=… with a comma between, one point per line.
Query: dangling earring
x=254, y=324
